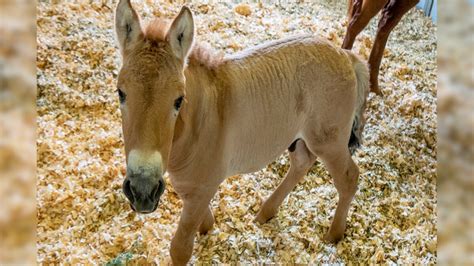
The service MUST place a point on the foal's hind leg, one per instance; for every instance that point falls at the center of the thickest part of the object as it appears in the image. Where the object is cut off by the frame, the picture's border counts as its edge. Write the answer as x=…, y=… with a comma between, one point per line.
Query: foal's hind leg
x=301, y=159
x=345, y=174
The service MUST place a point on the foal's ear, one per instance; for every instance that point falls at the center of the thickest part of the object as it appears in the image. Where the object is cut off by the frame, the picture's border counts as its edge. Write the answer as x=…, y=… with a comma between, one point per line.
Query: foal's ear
x=181, y=33
x=127, y=24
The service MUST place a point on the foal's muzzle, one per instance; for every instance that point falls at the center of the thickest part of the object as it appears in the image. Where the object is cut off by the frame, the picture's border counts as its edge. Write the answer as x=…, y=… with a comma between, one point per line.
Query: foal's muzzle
x=143, y=192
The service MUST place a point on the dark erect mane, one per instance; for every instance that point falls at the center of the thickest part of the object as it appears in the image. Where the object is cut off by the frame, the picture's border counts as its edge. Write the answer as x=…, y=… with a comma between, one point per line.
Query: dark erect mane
x=200, y=54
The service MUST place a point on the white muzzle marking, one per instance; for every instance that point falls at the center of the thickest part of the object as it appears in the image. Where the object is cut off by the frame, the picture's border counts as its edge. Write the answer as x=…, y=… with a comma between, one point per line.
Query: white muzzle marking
x=148, y=163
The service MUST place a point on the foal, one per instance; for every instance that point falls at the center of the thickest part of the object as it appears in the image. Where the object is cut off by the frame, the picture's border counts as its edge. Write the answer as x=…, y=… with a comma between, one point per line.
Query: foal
x=202, y=118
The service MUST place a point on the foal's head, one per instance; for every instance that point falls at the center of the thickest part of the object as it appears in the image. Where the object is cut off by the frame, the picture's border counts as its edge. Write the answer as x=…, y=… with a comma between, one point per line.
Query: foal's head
x=151, y=89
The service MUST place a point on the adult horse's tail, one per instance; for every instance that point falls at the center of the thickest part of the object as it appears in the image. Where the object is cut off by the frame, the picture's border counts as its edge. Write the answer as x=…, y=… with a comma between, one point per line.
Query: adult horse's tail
x=363, y=88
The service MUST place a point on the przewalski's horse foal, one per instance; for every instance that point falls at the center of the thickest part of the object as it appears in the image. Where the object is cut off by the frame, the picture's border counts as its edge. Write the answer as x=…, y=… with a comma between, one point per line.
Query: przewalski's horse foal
x=203, y=118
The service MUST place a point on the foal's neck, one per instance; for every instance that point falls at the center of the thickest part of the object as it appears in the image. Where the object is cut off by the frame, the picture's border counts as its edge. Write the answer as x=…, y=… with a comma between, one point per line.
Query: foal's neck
x=212, y=86
x=199, y=124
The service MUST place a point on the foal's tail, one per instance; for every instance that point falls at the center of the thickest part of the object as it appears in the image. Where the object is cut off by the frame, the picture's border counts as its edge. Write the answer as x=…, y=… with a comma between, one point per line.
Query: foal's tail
x=363, y=88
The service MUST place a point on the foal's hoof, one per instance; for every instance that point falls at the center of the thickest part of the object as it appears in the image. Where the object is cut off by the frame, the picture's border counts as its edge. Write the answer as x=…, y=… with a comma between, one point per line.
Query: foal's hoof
x=206, y=226
x=332, y=238
x=204, y=230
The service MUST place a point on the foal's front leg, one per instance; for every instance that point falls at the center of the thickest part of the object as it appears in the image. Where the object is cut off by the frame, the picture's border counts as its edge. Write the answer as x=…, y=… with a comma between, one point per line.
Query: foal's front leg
x=195, y=212
x=207, y=221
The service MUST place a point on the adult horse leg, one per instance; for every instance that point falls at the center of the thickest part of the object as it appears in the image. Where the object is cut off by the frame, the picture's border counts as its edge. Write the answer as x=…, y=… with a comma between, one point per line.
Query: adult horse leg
x=360, y=13
x=195, y=211
x=392, y=13
x=301, y=159
x=345, y=173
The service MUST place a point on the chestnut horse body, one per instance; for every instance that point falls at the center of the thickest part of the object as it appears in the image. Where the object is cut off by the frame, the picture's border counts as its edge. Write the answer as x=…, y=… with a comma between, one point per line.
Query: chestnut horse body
x=203, y=118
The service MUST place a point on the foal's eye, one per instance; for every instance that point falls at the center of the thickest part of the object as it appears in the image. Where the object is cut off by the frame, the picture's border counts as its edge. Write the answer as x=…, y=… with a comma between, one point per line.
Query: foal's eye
x=178, y=102
x=122, y=96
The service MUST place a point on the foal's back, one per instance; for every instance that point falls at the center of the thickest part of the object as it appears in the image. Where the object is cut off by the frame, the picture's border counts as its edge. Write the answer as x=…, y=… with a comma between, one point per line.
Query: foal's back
x=298, y=87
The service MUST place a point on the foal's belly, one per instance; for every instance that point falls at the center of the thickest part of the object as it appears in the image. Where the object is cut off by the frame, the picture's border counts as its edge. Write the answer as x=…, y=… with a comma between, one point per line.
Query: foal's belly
x=251, y=153
x=242, y=164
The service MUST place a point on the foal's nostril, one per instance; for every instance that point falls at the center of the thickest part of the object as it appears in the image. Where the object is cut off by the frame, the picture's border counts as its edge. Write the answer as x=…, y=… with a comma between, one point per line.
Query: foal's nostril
x=127, y=189
x=158, y=190
x=154, y=193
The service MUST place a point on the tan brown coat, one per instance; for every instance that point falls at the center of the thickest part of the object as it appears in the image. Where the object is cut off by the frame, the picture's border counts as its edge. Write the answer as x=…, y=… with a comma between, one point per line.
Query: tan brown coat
x=238, y=114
